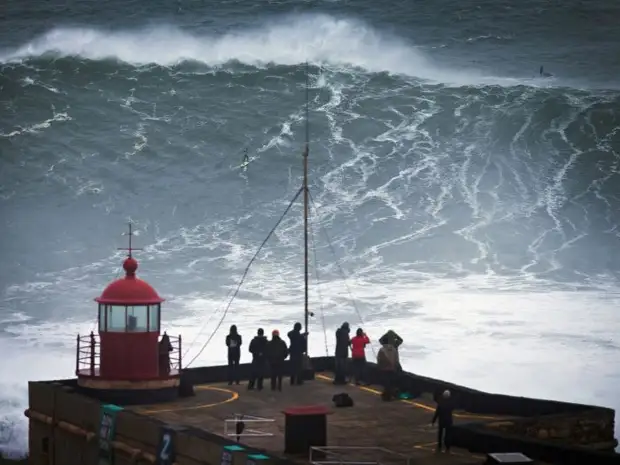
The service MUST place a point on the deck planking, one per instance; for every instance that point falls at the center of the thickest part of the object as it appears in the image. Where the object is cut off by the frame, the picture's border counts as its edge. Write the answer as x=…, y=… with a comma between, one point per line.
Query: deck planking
x=402, y=427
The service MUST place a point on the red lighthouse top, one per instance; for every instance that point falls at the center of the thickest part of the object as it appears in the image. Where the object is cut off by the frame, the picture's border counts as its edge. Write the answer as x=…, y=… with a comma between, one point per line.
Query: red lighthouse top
x=129, y=290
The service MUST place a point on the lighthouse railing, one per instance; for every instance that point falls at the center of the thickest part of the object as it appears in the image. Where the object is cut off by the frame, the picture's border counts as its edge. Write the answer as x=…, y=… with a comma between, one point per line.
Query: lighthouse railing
x=176, y=362
x=88, y=355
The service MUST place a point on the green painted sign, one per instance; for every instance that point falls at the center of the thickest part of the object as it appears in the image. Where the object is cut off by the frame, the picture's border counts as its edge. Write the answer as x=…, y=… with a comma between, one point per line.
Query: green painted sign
x=107, y=430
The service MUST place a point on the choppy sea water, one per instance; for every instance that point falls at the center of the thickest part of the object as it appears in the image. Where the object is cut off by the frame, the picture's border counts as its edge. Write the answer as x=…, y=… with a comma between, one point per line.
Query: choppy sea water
x=472, y=205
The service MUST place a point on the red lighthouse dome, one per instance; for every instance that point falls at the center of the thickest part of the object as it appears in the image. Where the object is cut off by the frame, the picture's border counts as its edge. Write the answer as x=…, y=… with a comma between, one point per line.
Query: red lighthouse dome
x=127, y=358
x=130, y=289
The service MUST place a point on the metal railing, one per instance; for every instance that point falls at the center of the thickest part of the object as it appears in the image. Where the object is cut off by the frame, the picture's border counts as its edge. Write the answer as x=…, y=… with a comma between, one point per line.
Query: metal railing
x=176, y=359
x=230, y=426
x=356, y=455
x=87, y=360
x=88, y=355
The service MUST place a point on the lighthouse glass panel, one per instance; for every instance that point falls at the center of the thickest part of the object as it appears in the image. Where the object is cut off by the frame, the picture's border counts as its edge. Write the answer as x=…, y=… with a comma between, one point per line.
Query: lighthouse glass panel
x=154, y=318
x=116, y=318
x=102, y=311
x=137, y=318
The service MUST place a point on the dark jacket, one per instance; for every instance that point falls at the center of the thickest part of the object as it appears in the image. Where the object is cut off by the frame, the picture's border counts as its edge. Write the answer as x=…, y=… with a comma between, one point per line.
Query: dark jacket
x=258, y=348
x=233, y=342
x=297, y=343
x=277, y=351
x=342, y=343
x=443, y=412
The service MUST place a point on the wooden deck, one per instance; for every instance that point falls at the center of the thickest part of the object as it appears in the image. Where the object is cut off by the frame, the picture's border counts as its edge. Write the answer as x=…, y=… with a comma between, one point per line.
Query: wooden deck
x=402, y=429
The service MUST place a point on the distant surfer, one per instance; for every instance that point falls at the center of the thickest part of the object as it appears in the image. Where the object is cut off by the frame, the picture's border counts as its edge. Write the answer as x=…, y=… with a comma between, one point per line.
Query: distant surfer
x=246, y=160
x=544, y=74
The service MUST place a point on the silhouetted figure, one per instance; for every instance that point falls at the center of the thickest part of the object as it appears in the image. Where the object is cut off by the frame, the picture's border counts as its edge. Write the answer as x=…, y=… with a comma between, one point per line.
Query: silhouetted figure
x=342, y=353
x=544, y=74
x=443, y=413
x=297, y=348
x=396, y=339
x=233, y=342
x=165, y=347
x=358, y=354
x=276, y=354
x=388, y=363
x=258, y=349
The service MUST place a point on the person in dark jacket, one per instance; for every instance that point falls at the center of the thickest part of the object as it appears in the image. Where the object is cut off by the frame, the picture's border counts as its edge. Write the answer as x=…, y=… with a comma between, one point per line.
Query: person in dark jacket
x=165, y=347
x=443, y=413
x=233, y=342
x=277, y=351
x=297, y=348
x=258, y=349
x=343, y=342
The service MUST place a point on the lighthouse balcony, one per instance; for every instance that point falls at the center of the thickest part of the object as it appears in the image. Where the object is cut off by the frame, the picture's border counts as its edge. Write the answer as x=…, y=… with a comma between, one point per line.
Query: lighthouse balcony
x=88, y=361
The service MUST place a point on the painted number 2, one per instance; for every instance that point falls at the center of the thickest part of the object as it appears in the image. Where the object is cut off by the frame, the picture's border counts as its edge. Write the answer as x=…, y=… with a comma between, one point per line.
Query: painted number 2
x=164, y=453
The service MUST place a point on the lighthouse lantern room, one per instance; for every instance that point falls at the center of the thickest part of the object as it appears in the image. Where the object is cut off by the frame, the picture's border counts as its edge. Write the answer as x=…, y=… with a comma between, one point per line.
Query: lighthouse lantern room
x=127, y=363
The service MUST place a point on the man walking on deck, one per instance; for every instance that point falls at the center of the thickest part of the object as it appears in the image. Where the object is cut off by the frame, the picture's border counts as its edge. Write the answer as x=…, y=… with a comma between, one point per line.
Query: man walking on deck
x=443, y=413
x=297, y=348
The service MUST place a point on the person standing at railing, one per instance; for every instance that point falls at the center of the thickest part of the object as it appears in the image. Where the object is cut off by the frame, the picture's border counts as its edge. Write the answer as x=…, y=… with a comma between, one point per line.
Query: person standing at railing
x=297, y=348
x=258, y=349
x=358, y=354
x=165, y=347
x=233, y=342
x=343, y=342
x=277, y=351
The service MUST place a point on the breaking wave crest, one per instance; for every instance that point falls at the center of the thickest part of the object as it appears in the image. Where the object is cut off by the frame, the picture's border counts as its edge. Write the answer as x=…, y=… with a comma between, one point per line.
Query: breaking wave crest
x=290, y=40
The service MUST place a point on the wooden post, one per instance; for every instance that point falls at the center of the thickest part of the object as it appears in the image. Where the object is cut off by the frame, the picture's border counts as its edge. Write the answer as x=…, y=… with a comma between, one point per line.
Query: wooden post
x=92, y=354
x=180, y=356
x=77, y=356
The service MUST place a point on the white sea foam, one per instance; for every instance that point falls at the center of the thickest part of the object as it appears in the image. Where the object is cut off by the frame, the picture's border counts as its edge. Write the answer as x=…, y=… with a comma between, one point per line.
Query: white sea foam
x=288, y=40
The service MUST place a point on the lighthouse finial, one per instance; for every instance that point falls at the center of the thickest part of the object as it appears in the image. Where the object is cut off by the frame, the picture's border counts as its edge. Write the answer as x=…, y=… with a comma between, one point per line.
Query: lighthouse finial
x=130, y=248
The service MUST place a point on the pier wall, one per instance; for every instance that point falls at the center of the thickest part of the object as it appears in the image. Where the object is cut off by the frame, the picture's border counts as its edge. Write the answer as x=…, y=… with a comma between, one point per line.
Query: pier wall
x=65, y=428
x=65, y=424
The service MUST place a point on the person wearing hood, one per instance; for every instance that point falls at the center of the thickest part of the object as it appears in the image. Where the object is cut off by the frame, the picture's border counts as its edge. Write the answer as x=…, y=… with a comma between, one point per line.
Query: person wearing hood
x=342, y=353
x=277, y=351
x=388, y=363
x=258, y=349
x=443, y=413
x=233, y=342
x=165, y=347
x=297, y=349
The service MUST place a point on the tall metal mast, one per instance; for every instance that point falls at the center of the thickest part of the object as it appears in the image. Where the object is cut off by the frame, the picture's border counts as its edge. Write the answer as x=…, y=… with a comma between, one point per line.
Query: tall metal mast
x=305, y=187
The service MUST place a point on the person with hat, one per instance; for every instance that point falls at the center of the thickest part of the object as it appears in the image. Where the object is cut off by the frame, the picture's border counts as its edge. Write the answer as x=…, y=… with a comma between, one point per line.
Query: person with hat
x=277, y=351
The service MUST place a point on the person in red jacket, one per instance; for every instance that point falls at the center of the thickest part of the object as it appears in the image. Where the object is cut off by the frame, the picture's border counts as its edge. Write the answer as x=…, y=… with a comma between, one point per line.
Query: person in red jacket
x=358, y=354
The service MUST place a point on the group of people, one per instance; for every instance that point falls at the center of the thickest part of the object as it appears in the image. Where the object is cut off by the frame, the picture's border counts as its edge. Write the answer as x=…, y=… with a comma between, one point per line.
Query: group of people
x=275, y=351
x=388, y=362
x=268, y=353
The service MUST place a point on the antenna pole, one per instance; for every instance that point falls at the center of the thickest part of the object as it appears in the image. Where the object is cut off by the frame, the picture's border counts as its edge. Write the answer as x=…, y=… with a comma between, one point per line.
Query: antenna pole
x=130, y=248
x=305, y=187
